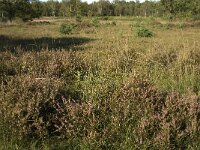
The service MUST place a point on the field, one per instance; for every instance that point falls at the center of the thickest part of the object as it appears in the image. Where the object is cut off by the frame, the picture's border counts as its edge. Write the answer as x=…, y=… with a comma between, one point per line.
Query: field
x=100, y=87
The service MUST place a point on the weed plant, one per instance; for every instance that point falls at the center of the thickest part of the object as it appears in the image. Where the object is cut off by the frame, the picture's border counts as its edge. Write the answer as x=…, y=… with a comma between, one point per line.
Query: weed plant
x=144, y=32
x=96, y=22
x=78, y=18
x=66, y=28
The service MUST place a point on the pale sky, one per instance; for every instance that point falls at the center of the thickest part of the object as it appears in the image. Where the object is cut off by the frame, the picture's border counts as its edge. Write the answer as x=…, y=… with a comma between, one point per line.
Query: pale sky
x=90, y=1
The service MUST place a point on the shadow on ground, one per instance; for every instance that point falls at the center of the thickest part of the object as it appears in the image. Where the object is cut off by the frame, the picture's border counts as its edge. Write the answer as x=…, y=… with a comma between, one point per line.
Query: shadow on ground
x=37, y=44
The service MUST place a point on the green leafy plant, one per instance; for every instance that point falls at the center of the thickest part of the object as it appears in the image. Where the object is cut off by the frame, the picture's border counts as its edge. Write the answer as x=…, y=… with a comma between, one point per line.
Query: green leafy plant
x=137, y=24
x=105, y=18
x=144, y=32
x=181, y=25
x=114, y=23
x=95, y=22
x=66, y=28
x=78, y=18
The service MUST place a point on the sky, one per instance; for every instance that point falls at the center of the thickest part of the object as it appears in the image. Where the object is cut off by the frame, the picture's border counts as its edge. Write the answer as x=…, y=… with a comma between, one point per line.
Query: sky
x=90, y=1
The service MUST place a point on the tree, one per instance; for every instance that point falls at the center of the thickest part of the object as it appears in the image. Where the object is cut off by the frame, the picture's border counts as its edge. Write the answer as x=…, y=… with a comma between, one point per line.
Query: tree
x=28, y=9
x=93, y=9
x=138, y=8
x=53, y=7
x=104, y=8
x=84, y=9
x=64, y=8
x=149, y=8
x=74, y=7
x=118, y=8
x=168, y=5
x=185, y=8
x=23, y=10
x=7, y=9
x=37, y=8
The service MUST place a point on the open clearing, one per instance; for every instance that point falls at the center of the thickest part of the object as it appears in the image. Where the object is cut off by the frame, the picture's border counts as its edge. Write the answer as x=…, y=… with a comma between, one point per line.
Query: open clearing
x=100, y=87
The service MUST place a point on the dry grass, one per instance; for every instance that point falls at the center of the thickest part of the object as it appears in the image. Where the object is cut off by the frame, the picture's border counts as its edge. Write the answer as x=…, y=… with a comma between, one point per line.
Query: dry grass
x=99, y=88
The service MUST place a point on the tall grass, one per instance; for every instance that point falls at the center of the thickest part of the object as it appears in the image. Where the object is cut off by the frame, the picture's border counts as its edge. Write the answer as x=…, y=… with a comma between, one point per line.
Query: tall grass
x=114, y=91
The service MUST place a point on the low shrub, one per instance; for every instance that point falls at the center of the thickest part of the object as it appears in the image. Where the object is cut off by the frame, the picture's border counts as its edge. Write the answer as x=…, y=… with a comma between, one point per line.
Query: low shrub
x=114, y=23
x=194, y=24
x=163, y=119
x=34, y=23
x=66, y=28
x=90, y=31
x=105, y=18
x=83, y=25
x=95, y=22
x=164, y=58
x=3, y=19
x=137, y=24
x=169, y=26
x=144, y=32
x=155, y=24
x=78, y=18
x=181, y=25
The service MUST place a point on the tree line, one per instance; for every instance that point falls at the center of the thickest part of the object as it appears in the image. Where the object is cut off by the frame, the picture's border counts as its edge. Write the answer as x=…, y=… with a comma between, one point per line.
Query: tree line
x=29, y=9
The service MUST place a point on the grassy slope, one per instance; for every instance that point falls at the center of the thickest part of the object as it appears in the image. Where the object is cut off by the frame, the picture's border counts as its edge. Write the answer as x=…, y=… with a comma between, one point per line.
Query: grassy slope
x=120, y=91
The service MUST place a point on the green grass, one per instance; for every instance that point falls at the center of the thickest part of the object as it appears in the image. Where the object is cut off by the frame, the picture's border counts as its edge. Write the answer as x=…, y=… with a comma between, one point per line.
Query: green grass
x=99, y=87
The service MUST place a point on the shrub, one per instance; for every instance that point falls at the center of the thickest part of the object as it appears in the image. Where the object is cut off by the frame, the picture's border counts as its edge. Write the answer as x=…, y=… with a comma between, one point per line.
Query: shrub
x=105, y=18
x=3, y=19
x=114, y=23
x=90, y=31
x=78, y=18
x=169, y=26
x=155, y=24
x=38, y=23
x=144, y=32
x=66, y=28
x=95, y=22
x=169, y=118
x=85, y=24
x=181, y=25
x=137, y=24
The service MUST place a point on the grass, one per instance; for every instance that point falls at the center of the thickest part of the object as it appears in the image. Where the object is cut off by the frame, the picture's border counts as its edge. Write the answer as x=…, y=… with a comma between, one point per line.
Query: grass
x=100, y=87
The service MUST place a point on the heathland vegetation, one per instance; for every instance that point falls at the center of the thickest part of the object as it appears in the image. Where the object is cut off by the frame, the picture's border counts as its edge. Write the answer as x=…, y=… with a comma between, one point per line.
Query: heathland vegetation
x=74, y=80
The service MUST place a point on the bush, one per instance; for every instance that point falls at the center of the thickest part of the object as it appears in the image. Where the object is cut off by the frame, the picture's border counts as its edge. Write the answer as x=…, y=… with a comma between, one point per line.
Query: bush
x=3, y=19
x=144, y=32
x=155, y=24
x=85, y=24
x=66, y=28
x=137, y=24
x=114, y=23
x=78, y=18
x=105, y=18
x=169, y=26
x=95, y=22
